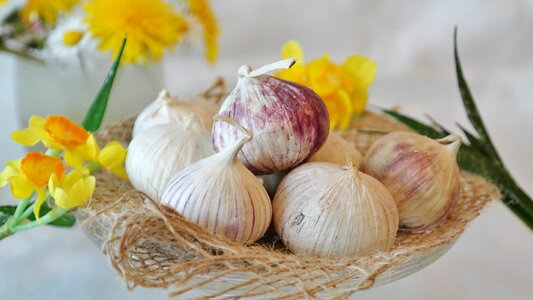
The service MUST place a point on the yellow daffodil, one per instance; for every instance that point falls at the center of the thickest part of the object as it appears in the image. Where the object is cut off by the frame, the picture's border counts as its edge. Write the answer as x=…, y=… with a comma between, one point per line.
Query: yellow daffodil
x=72, y=190
x=342, y=87
x=152, y=26
x=31, y=174
x=201, y=10
x=46, y=10
x=80, y=146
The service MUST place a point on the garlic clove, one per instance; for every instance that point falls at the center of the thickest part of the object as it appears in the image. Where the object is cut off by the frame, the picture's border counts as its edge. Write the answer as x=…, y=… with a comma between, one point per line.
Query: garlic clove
x=338, y=151
x=157, y=153
x=220, y=194
x=289, y=121
x=326, y=210
x=421, y=174
x=166, y=109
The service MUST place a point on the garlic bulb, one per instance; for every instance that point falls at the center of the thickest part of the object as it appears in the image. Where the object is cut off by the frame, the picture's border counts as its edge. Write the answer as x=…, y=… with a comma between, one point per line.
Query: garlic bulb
x=289, y=121
x=322, y=209
x=338, y=151
x=220, y=194
x=166, y=109
x=159, y=152
x=421, y=174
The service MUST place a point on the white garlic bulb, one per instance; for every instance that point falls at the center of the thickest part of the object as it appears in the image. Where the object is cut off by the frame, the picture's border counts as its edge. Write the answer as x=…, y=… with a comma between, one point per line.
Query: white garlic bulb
x=338, y=151
x=288, y=120
x=220, y=194
x=323, y=209
x=420, y=173
x=159, y=152
x=166, y=109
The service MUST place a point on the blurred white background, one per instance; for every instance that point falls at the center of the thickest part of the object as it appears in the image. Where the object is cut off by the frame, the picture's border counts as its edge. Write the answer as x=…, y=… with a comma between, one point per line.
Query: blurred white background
x=411, y=41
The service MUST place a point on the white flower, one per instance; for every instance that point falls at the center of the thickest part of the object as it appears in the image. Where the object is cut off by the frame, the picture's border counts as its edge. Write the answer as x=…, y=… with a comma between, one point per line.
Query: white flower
x=70, y=42
x=8, y=7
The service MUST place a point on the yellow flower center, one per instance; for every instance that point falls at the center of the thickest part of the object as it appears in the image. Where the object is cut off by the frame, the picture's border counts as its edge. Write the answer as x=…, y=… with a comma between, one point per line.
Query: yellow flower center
x=37, y=168
x=72, y=37
x=3, y=2
x=65, y=132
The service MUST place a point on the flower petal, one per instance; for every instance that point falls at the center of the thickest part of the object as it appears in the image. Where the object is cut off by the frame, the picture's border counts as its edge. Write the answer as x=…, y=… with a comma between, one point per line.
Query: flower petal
x=28, y=136
x=12, y=169
x=120, y=172
x=20, y=187
x=292, y=49
x=62, y=198
x=361, y=69
x=73, y=159
x=41, y=196
x=112, y=156
x=89, y=149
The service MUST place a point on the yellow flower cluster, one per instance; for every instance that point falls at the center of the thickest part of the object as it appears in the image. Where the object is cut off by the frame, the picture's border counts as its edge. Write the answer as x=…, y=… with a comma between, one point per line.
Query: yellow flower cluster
x=36, y=171
x=342, y=87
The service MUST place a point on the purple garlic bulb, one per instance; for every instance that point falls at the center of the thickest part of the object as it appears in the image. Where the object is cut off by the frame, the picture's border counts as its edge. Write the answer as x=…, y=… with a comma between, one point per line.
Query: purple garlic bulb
x=289, y=121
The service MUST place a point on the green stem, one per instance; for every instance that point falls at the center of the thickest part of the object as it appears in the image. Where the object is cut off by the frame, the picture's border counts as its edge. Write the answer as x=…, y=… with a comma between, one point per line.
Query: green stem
x=18, y=212
x=93, y=167
x=29, y=210
x=5, y=231
x=53, y=215
x=52, y=152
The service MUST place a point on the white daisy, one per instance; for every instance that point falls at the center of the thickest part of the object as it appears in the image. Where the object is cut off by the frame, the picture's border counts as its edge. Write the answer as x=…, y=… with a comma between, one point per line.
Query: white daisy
x=8, y=7
x=70, y=42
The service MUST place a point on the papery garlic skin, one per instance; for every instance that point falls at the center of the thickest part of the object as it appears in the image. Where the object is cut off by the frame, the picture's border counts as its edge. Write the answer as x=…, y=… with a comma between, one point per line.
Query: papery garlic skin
x=420, y=173
x=326, y=210
x=221, y=195
x=159, y=152
x=289, y=121
x=166, y=109
x=338, y=151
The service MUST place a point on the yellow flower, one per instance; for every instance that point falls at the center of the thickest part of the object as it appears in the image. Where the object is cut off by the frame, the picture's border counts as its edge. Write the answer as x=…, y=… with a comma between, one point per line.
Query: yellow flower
x=46, y=10
x=31, y=174
x=111, y=157
x=72, y=190
x=342, y=87
x=201, y=10
x=60, y=133
x=151, y=26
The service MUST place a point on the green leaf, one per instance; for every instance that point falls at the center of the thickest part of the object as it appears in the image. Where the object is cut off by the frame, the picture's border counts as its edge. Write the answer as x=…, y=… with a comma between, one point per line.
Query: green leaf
x=95, y=114
x=7, y=210
x=471, y=108
x=3, y=219
x=66, y=220
x=416, y=125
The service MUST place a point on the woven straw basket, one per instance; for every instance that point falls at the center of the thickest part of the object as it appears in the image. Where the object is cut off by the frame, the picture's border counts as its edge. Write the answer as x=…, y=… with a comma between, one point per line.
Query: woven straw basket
x=152, y=246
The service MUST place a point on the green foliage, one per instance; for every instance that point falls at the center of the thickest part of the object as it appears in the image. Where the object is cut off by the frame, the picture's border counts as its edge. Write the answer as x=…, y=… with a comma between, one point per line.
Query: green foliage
x=95, y=114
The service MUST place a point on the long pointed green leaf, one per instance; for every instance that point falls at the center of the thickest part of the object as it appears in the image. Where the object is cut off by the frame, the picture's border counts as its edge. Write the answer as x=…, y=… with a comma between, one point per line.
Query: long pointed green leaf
x=471, y=108
x=414, y=124
x=95, y=114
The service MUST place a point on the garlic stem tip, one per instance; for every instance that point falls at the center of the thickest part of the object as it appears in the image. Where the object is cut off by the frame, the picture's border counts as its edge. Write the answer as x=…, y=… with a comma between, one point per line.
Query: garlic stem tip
x=164, y=94
x=244, y=71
